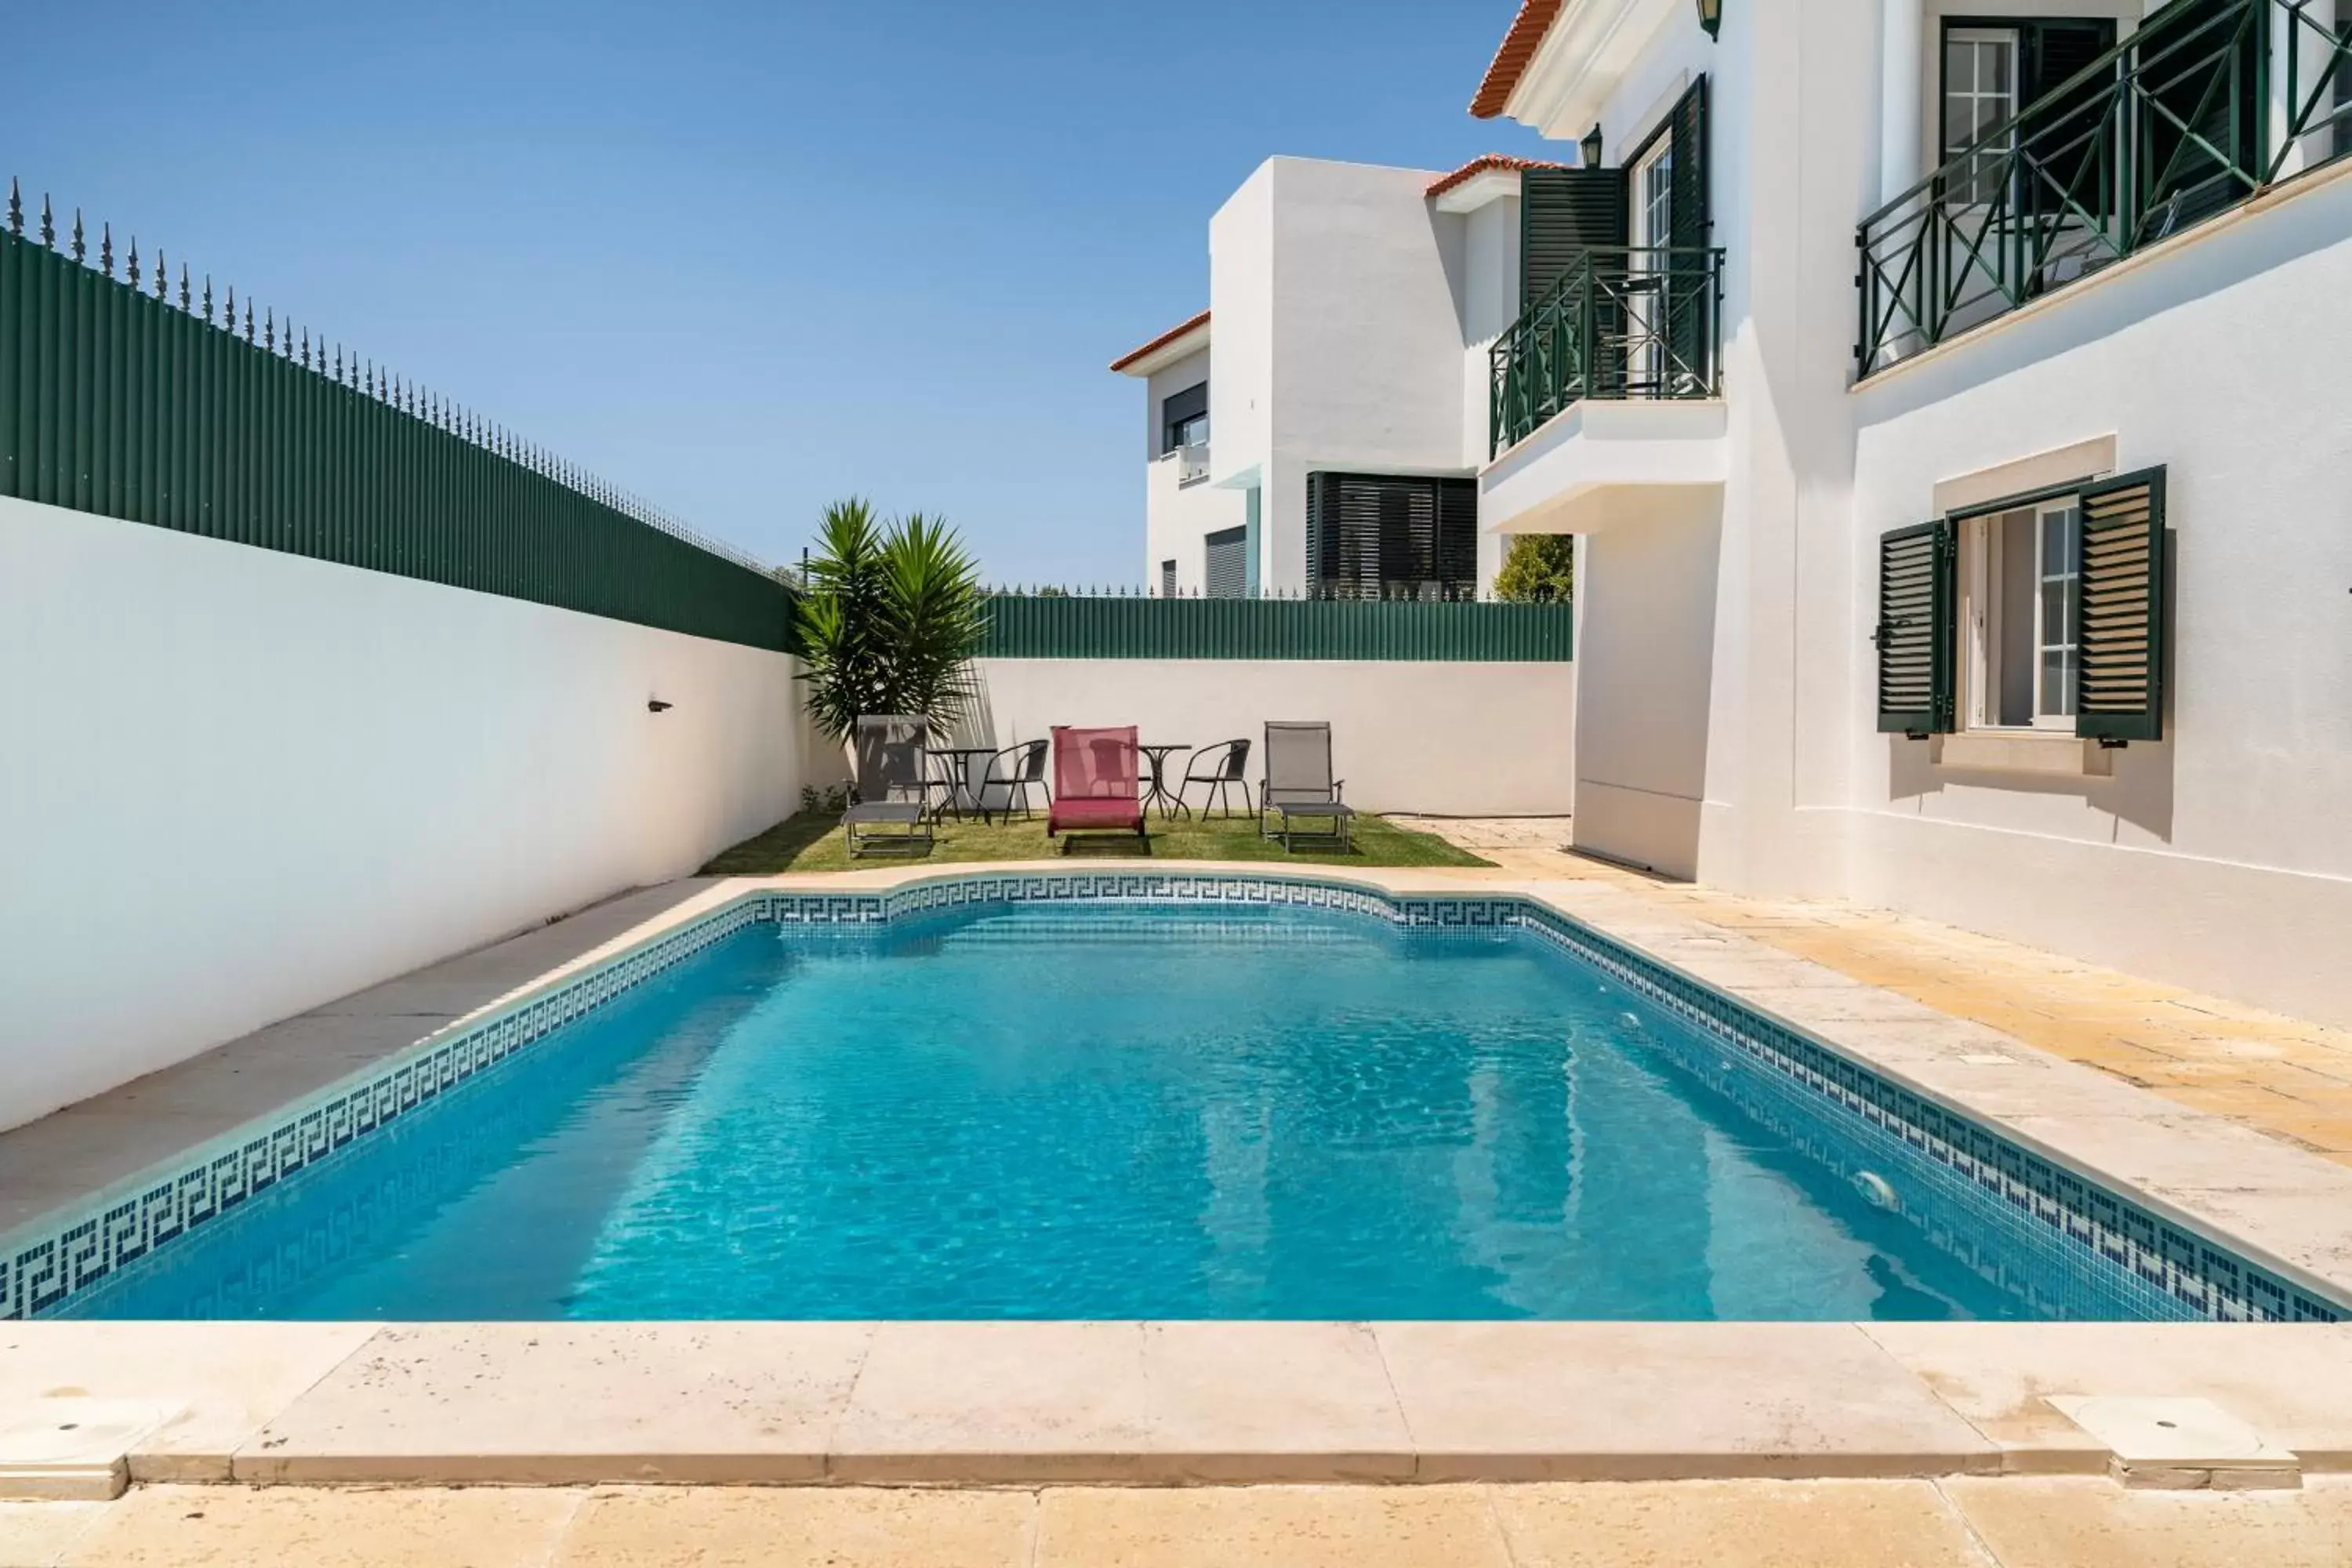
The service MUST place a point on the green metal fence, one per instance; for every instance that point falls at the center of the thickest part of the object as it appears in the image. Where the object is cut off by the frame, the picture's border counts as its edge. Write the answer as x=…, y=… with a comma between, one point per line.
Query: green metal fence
x=131, y=403
x=1074, y=626
x=2208, y=104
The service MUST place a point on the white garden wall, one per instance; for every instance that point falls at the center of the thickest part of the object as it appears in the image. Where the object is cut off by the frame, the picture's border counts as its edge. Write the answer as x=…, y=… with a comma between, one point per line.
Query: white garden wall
x=239, y=784
x=1422, y=736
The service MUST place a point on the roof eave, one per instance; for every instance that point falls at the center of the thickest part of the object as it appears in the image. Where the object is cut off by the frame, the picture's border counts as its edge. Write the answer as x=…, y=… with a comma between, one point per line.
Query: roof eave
x=1185, y=338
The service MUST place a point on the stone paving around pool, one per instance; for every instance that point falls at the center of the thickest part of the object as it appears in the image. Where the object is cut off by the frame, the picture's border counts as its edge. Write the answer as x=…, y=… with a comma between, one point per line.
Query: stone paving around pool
x=1951, y=1523
x=2285, y=1076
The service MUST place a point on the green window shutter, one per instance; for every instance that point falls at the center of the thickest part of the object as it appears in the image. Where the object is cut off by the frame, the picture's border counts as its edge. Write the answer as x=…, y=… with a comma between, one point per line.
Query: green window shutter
x=1563, y=212
x=1690, y=292
x=2065, y=161
x=1918, y=628
x=2198, y=142
x=2120, y=609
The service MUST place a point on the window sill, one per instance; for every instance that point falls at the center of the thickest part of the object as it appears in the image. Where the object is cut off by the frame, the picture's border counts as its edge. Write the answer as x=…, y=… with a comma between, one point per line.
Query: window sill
x=2050, y=754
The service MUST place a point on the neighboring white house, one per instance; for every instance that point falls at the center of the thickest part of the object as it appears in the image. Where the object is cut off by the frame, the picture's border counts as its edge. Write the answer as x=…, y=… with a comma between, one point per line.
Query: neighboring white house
x=1194, y=530
x=1335, y=448
x=1983, y=553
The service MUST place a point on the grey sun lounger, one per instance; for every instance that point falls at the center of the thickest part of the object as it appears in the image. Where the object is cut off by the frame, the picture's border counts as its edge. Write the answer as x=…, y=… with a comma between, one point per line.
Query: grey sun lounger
x=1299, y=783
x=891, y=787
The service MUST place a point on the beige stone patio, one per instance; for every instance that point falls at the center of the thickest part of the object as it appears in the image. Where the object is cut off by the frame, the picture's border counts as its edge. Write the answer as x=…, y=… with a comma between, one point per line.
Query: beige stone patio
x=1952, y=1523
x=2285, y=1076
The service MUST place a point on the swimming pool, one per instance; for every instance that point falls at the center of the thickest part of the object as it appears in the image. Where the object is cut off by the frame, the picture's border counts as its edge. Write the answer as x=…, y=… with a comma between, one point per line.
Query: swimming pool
x=1251, y=1104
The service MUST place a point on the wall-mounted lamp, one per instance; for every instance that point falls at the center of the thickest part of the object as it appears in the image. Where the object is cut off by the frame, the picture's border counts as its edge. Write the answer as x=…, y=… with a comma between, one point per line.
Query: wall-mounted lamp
x=1710, y=16
x=1588, y=150
x=656, y=705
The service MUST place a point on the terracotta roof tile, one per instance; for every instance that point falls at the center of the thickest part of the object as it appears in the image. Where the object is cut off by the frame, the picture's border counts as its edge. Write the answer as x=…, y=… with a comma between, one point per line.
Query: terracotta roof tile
x=1161, y=341
x=1479, y=165
x=1519, y=47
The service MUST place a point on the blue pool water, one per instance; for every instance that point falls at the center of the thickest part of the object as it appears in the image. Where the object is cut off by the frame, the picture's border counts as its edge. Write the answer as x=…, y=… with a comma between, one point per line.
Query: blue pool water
x=1084, y=1112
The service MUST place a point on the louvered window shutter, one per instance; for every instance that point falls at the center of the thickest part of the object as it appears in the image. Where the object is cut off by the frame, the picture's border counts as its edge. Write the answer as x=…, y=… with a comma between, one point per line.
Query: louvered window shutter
x=2120, y=609
x=1690, y=292
x=1918, y=629
x=1563, y=212
x=1373, y=536
x=2067, y=166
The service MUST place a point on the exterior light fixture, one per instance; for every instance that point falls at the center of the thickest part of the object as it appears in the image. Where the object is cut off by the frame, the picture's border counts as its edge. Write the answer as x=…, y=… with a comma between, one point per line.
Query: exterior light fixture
x=1710, y=16
x=1590, y=148
x=656, y=705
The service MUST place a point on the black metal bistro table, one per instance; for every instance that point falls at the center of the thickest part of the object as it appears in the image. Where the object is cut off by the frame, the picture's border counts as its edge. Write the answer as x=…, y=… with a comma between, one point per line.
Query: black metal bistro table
x=962, y=794
x=1159, y=790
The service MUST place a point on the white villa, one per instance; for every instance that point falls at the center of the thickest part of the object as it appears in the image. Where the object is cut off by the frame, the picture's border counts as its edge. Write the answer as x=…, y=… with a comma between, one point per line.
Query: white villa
x=1352, y=306
x=1941, y=396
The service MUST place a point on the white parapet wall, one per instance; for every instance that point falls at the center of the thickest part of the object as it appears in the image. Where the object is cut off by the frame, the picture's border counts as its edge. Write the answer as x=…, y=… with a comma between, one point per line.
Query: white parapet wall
x=1445, y=738
x=239, y=784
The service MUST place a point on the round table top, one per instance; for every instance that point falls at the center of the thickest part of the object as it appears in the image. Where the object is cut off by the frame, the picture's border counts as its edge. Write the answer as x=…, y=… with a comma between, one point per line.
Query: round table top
x=1164, y=747
x=962, y=751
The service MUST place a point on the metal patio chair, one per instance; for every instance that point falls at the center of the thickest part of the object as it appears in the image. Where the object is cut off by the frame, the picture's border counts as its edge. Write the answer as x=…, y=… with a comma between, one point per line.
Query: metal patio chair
x=893, y=785
x=1222, y=767
x=1299, y=783
x=1095, y=780
x=1014, y=770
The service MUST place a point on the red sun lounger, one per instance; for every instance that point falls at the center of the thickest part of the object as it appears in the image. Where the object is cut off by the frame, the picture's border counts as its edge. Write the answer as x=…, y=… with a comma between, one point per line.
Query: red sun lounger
x=1095, y=780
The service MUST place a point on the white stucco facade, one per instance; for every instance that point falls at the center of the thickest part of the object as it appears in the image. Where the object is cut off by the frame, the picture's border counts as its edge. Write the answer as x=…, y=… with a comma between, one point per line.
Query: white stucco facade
x=1352, y=313
x=1181, y=508
x=1728, y=574
x=258, y=782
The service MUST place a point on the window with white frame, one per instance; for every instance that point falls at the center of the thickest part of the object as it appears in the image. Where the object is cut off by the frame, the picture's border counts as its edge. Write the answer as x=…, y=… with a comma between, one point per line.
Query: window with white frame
x=2020, y=662
x=1980, y=90
x=1652, y=225
x=2048, y=611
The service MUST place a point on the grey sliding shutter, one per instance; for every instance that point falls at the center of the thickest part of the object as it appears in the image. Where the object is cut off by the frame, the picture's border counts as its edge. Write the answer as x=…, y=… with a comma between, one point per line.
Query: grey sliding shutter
x=2120, y=610
x=1228, y=564
x=1918, y=629
x=1690, y=293
x=1563, y=212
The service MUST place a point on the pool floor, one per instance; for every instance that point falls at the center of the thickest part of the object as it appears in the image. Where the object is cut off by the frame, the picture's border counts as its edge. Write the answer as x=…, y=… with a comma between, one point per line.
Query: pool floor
x=1083, y=1112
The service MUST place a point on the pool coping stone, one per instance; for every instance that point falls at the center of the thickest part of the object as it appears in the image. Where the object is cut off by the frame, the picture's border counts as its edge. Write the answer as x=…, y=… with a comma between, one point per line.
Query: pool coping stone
x=1182, y=1403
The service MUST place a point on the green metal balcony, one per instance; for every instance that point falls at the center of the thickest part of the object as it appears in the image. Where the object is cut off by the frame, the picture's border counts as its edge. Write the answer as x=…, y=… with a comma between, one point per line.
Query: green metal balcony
x=1625, y=321
x=2209, y=103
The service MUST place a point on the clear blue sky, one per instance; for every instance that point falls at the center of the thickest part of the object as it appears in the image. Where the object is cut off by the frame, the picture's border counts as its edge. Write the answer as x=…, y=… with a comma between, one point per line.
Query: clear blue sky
x=744, y=259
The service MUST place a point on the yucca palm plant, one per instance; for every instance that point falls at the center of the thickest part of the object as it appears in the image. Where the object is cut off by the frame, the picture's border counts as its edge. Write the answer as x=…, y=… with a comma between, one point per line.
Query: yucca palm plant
x=890, y=620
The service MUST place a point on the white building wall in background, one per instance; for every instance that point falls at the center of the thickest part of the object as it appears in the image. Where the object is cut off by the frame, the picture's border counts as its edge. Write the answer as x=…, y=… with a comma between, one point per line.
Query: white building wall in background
x=242, y=783
x=1341, y=296
x=1490, y=303
x=1450, y=738
x=1178, y=517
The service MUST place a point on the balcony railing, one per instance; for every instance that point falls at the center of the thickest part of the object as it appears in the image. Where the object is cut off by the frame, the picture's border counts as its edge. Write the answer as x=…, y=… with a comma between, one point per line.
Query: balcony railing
x=2209, y=102
x=1191, y=464
x=1627, y=321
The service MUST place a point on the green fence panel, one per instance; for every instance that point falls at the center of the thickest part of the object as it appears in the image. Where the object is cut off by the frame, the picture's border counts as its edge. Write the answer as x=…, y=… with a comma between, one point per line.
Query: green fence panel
x=1081, y=626
x=123, y=402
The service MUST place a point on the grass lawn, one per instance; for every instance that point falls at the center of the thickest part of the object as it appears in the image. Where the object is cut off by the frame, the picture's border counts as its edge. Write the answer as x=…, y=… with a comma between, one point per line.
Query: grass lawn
x=808, y=842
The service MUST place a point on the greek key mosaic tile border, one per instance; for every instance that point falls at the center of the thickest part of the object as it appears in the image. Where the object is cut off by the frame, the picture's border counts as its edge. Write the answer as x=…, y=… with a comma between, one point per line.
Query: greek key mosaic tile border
x=2016, y=1218
x=47, y=1263
x=1844, y=1114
